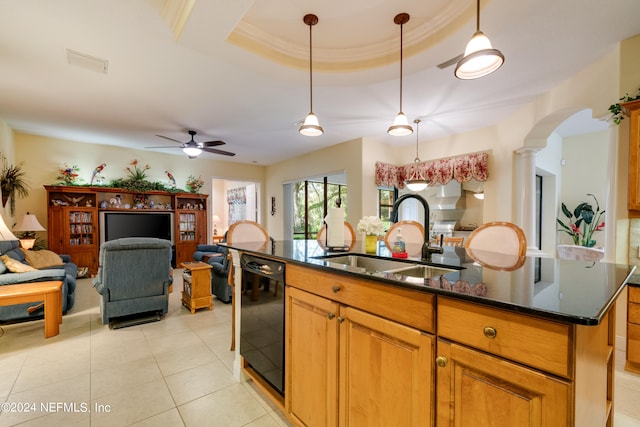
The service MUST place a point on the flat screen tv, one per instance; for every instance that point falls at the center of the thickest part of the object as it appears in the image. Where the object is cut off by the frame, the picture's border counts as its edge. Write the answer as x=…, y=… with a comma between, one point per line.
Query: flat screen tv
x=115, y=225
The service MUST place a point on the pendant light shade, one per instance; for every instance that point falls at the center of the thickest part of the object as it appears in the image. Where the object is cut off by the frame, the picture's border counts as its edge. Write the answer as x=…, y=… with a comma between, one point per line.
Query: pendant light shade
x=480, y=58
x=416, y=183
x=400, y=126
x=311, y=126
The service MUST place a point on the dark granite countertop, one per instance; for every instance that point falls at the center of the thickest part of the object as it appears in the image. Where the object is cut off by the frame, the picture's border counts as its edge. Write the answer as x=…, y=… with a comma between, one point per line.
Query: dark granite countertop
x=577, y=292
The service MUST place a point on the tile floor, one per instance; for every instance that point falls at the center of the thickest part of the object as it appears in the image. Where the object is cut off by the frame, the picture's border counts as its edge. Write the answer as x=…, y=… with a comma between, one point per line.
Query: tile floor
x=176, y=372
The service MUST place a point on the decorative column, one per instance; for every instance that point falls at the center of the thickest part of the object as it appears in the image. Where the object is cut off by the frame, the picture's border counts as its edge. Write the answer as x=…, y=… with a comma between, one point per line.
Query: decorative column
x=525, y=195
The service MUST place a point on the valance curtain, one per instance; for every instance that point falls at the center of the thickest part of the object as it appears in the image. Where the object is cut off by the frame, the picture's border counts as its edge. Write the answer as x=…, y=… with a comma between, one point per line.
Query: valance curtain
x=461, y=168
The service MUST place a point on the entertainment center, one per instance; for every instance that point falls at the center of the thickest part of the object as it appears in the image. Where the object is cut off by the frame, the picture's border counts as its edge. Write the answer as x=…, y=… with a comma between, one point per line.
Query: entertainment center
x=80, y=218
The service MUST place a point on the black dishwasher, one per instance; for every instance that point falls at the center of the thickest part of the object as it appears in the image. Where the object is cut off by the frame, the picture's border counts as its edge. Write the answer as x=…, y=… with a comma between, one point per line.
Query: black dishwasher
x=262, y=318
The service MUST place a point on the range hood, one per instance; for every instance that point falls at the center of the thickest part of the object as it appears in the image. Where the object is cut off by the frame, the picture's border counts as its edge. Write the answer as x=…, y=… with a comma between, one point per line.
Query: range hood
x=446, y=197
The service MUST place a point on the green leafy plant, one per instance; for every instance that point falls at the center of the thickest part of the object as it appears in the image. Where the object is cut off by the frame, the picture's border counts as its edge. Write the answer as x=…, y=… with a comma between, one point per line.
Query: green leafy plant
x=13, y=184
x=135, y=173
x=616, y=110
x=583, y=222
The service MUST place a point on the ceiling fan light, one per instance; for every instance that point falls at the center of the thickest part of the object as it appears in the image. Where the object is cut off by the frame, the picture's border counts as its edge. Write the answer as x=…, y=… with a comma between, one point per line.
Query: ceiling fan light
x=480, y=58
x=311, y=126
x=192, y=151
x=417, y=184
x=400, y=126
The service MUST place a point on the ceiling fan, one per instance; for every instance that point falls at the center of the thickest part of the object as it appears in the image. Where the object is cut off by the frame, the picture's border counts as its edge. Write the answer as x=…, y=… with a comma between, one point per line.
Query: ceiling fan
x=193, y=149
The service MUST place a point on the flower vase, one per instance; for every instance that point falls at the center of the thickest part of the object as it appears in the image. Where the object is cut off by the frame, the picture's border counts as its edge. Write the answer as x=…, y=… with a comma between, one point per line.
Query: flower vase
x=371, y=243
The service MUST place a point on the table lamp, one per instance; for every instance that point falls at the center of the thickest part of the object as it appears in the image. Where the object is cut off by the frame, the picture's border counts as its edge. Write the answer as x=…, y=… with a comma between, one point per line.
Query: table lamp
x=28, y=225
x=5, y=233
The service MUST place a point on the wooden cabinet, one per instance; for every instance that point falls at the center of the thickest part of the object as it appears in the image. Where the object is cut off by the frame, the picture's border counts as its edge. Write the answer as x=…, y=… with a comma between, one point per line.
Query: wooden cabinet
x=478, y=389
x=74, y=223
x=501, y=368
x=633, y=329
x=350, y=367
x=196, y=286
x=72, y=227
x=633, y=201
x=190, y=225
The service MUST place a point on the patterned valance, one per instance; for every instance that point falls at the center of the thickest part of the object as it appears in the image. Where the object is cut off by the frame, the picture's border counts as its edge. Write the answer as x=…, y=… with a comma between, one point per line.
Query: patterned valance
x=461, y=168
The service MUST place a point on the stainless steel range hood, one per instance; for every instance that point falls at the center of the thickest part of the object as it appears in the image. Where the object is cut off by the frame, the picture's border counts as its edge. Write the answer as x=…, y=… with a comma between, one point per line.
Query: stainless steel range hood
x=446, y=197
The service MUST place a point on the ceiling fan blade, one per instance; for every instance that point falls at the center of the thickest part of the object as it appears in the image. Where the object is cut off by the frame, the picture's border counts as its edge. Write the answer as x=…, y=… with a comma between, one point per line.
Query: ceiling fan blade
x=213, y=143
x=450, y=62
x=170, y=139
x=215, y=151
x=164, y=146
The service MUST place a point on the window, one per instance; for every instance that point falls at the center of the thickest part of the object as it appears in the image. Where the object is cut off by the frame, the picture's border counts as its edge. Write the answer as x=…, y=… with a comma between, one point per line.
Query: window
x=538, y=237
x=386, y=198
x=311, y=201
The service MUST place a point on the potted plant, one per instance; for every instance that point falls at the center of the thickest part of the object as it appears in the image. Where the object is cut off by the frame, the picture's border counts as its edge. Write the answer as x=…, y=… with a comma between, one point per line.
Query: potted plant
x=583, y=222
x=13, y=184
x=616, y=110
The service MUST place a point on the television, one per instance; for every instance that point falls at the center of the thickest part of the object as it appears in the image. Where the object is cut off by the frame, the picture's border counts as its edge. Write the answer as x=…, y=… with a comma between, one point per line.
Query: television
x=115, y=225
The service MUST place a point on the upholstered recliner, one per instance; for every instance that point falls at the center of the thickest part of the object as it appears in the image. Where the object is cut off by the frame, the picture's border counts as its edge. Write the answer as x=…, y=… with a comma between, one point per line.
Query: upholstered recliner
x=134, y=275
x=219, y=269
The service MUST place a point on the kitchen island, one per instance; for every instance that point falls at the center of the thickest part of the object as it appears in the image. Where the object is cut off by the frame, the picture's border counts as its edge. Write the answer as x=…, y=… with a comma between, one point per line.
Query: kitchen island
x=466, y=345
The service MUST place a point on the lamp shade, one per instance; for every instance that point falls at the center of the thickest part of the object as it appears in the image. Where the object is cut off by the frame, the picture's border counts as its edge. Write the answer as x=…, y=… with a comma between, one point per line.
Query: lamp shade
x=5, y=233
x=311, y=126
x=417, y=184
x=28, y=222
x=191, y=151
x=400, y=126
x=480, y=58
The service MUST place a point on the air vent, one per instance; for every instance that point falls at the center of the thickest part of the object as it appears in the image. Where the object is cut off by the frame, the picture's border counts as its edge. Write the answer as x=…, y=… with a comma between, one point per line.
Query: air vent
x=88, y=62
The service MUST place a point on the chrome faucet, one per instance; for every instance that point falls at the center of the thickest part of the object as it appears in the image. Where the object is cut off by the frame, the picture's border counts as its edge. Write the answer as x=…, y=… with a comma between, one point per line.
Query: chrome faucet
x=427, y=249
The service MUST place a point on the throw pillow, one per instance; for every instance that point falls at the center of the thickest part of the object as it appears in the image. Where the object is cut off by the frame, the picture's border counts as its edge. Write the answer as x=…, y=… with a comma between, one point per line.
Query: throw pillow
x=42, y=258
x=15, y=266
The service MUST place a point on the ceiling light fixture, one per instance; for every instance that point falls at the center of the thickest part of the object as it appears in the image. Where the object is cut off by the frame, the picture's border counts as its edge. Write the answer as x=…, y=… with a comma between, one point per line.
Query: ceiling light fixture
x=416, y=183
x=191, y=149
x=310, y=127
x=400, y=126
x=480, y=58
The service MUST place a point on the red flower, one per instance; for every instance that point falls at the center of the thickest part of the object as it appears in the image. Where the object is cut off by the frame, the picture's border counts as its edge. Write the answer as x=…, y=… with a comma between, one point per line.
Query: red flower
x=600, y=226
x=575, y=229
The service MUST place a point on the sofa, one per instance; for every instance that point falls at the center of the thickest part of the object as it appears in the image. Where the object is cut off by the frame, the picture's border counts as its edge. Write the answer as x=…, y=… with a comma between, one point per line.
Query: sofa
x=134, y=275
x=65, y=272
x=219, y=269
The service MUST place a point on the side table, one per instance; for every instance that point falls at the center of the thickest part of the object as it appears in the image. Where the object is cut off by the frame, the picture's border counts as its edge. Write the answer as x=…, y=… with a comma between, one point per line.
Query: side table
x=196, y=288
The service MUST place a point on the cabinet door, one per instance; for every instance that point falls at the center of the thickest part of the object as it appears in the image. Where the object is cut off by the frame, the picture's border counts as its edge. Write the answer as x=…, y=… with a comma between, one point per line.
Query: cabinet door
x=311, y=376
x=633, y=203
x=56, y=224
x=386, y=372
x=476, y=389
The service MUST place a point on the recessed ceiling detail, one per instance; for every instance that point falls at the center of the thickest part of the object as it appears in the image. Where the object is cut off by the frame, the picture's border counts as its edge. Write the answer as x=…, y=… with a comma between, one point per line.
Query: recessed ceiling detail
x=363, y=37
x=176, y=13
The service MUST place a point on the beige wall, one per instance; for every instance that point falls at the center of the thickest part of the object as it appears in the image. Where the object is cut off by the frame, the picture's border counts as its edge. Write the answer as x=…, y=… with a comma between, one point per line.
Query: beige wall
x=43, y=157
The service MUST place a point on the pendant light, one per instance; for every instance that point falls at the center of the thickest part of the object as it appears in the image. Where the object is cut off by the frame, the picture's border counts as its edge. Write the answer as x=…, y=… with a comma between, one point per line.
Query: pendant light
x=480, y=58
x=416, y=183
x=310, y=127
x=400, y=126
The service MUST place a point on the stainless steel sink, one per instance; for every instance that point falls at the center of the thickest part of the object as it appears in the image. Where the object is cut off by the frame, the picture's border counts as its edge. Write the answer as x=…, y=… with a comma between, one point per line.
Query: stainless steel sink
x=422, y=271
x=363, y=263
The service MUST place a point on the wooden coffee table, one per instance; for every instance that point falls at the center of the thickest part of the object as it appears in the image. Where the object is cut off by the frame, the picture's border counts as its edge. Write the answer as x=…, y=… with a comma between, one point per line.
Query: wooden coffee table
x=49, y=292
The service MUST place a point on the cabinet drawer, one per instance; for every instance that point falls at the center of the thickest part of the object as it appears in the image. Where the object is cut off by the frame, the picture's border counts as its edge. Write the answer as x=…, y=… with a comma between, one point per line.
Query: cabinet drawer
x=634, y=294
x=634, y=313
x=535, y=342
x=406, y=306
